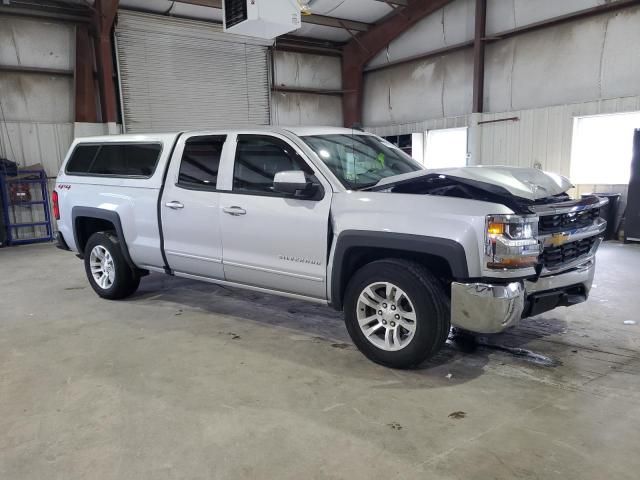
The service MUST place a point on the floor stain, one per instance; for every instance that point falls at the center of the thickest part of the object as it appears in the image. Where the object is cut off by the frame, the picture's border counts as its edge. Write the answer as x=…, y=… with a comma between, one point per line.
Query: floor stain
x=458, y=415
x=523, y=353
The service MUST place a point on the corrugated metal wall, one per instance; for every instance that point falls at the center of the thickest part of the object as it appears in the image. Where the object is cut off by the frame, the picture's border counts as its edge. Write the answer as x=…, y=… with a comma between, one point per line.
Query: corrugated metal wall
x=305, y=71
x=37, y=109
x=36, y=119
x=576, y=62
x=546, y=78
x=542, y=136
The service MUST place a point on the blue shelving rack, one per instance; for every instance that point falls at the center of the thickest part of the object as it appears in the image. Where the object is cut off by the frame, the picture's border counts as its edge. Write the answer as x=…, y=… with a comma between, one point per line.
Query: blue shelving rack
x=37, y=181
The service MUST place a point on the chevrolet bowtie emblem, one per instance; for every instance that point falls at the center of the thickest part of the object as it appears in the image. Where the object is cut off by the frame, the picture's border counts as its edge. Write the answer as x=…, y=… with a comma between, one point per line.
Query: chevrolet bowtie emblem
x=558, y=239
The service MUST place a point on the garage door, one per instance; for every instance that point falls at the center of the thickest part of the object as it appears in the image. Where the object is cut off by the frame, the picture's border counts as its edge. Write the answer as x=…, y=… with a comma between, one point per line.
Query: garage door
x=180, y=74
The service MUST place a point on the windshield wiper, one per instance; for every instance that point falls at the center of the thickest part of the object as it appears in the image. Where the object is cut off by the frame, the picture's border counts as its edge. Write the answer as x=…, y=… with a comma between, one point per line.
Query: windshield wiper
x=365, y=186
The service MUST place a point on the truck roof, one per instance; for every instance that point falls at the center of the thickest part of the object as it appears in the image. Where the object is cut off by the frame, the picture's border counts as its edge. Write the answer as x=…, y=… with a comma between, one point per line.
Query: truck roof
x=299, y=131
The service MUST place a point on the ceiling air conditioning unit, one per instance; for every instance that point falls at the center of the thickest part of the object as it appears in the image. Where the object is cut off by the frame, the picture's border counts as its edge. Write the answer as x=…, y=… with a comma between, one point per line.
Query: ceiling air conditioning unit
x=261, y=18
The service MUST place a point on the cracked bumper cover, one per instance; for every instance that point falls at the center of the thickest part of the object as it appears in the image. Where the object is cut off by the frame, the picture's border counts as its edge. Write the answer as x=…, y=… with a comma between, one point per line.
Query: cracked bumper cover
x=492, y=308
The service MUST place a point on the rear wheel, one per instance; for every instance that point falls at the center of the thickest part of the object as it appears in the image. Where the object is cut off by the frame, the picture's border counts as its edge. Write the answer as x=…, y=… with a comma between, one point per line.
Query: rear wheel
x=108, y=272
x=397, y=312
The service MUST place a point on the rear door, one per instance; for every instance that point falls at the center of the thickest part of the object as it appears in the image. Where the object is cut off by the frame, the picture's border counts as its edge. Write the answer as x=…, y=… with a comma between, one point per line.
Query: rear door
x=190, y=206
x=273, y=240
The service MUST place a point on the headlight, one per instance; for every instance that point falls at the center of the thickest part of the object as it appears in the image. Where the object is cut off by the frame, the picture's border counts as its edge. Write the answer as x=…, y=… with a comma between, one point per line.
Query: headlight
x=511, y=242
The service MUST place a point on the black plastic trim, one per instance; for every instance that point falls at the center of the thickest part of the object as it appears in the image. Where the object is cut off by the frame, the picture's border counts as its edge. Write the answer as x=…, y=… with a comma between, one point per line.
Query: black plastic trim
x=61, y=243
x=542, y=302
x=166, y=267
x=449, y=250
x=316, y=197
x=108, y=215
x=501, y=280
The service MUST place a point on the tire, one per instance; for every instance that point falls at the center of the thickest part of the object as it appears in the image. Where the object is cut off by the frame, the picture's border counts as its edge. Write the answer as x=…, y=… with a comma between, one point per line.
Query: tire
x=122, y=280
x=416, y=291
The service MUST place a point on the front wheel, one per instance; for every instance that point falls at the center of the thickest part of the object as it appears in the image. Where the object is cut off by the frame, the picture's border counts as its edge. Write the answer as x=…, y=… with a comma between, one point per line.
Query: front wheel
x=108, y=272
x=397, y=313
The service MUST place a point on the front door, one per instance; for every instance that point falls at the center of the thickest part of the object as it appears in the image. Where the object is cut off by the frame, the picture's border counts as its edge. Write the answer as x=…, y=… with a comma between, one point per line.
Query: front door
x=190, y=207
x=274, y=240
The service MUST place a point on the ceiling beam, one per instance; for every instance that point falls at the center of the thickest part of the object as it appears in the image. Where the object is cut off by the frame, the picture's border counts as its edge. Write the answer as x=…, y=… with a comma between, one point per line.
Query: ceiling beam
x=438, y=52
x=105, y=15
x=203, y=3
x=297, y=44
x=36, y=70
x=323, y=20
x=86, y=106
x=610, y=6
x=399, y=3
x=33, y=13
x=478, y=55
x=315, y=91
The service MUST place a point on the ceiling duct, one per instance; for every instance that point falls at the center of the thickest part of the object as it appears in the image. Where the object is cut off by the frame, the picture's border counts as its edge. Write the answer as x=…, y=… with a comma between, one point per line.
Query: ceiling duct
x=261, y=18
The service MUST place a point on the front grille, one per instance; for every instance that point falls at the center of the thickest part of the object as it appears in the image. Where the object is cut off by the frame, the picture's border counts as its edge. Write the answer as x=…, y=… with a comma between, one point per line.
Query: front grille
x=556, y=256
x=567, y=221
x=235, y=12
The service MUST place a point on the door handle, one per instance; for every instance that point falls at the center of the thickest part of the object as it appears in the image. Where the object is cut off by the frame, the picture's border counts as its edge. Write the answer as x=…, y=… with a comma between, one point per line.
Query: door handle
x=235, y=211
x=174, y=205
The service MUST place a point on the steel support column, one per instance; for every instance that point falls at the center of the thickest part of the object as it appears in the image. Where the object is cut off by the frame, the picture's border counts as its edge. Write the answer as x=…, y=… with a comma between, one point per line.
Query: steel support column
x=364, y=46
x=478, y=56
x=85, y=90
x=106, y=11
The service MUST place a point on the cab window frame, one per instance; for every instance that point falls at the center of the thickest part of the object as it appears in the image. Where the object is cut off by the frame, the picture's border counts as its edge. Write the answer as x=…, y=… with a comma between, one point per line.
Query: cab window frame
x=310, y=172
x=202, y=188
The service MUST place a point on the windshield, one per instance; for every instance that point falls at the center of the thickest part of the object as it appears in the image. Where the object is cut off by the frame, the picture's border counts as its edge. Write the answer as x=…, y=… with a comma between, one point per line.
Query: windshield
x=361, y=161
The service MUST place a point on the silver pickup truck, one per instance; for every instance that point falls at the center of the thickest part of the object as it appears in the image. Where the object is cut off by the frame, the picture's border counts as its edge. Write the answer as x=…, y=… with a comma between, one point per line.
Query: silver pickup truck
x=335, y=216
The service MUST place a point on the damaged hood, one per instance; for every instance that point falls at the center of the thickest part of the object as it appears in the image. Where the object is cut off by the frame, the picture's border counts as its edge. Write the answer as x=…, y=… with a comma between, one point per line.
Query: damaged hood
x=528, y=183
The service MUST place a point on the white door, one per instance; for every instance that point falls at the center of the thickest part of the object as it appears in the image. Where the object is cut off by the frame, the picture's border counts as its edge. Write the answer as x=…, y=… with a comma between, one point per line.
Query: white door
x=179, y=74
x=190, y=207
x=274, y=240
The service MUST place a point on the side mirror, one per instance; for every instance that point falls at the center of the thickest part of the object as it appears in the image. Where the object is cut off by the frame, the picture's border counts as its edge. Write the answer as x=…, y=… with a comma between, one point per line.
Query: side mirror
x=293, y=182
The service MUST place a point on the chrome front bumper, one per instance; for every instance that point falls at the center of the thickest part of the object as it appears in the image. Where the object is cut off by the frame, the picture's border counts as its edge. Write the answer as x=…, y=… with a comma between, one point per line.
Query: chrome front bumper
x=489, y=308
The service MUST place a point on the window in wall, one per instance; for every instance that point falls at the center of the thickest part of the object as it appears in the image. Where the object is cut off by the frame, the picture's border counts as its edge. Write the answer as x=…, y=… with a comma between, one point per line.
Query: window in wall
x=446, y=148
x=200, y=162
x=602, y=148
x=403, y=142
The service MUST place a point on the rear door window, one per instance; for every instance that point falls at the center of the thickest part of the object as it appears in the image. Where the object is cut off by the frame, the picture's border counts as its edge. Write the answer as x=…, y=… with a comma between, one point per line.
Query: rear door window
x=115, y=159
x=200, y=162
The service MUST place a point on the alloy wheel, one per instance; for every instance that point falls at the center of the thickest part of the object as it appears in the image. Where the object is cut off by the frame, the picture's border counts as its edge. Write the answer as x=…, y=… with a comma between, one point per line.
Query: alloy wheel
x=386, y=316
x=103, y=268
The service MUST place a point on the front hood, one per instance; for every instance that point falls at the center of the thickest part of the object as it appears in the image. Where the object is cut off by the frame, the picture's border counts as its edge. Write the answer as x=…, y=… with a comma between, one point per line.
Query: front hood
x=528, y=183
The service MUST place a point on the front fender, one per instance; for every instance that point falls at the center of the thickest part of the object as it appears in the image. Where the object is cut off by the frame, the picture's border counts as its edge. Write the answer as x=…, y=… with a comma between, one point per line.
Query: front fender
x=450, y=251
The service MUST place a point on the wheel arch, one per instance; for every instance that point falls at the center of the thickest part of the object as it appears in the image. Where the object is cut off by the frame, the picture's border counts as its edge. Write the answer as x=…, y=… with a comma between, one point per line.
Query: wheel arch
x=355, y=248
x=88, y=220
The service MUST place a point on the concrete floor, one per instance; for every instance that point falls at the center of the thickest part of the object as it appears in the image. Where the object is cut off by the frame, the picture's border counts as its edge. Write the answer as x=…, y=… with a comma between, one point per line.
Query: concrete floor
x=192, y=381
